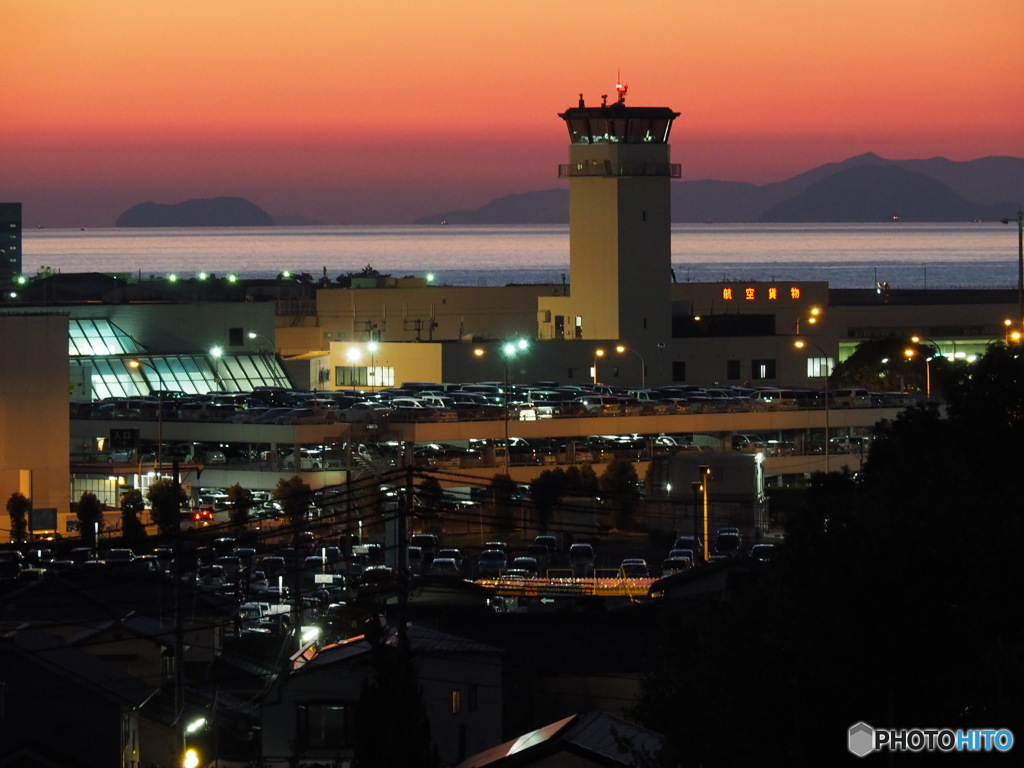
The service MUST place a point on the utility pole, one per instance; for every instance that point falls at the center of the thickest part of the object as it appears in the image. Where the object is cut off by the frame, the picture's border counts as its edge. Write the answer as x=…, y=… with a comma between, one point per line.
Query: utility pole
x=178, y=572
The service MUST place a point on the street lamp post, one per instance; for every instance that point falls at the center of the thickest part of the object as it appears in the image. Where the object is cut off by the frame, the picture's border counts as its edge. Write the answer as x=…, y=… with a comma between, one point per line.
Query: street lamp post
x=928, y=363
x=812, y=317
x=643, y=366
x=705, y=480
x=253, y=335
x=698, y=489
x=800, y=344
x=216, y=353
x=597, y=353
x=508, y=350
x=136, y=363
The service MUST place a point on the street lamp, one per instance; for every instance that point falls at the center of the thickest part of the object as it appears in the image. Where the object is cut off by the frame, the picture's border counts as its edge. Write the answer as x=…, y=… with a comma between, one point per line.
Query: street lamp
x=705, y=482
x=928, y=363
x=508, y=350
x=812, y=317
x=800, y=344
x=1020, y=264
x=643, y=366
x=254, y=335
x=698, y=489
x=216, y=353
x=137, y=364
x=597, y=353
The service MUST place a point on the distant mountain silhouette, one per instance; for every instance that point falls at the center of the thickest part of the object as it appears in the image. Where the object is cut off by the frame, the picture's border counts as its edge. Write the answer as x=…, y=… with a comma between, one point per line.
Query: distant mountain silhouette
x=880, y=193
x=549, y=206
x=862, y=188
x=212, y=212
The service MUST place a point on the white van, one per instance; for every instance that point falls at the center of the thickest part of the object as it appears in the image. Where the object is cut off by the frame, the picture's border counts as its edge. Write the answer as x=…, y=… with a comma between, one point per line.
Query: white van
x=774, y=399
x=850, y=398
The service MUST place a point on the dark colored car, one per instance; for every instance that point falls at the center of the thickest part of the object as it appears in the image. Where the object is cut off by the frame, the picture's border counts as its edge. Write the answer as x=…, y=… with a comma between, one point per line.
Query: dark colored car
x=491, y=563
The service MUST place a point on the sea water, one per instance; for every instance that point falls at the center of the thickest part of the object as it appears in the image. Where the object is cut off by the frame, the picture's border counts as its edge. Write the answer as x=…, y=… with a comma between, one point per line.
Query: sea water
x=979, y=255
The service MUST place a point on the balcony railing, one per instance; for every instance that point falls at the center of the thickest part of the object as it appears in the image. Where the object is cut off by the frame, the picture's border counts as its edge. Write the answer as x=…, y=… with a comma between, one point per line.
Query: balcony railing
x=609, y=169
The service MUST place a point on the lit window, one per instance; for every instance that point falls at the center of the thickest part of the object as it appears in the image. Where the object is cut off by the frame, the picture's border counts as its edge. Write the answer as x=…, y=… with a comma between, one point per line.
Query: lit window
x=456, y=701
x=818, y=367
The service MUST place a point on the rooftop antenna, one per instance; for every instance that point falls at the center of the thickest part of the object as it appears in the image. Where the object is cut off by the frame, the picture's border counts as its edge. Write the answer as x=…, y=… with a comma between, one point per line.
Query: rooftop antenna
x=620, y=88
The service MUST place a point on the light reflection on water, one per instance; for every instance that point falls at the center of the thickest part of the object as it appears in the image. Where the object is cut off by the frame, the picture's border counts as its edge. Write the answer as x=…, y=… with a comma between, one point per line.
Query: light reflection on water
x=845, y=255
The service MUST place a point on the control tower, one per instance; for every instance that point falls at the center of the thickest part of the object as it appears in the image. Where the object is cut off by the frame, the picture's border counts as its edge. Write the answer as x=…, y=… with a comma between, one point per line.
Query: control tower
x=620, y=249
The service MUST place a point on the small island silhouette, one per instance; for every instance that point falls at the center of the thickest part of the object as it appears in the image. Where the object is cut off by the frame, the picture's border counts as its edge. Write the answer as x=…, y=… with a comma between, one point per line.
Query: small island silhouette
x=211, y=212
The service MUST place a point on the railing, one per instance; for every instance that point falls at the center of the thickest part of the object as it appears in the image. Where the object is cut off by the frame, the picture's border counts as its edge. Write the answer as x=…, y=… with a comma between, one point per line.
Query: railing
x=609, y=169
x=616, y=586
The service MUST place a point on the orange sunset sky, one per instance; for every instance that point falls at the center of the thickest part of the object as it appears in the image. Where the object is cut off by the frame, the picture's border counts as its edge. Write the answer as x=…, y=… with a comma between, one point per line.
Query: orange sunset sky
x=373, y=113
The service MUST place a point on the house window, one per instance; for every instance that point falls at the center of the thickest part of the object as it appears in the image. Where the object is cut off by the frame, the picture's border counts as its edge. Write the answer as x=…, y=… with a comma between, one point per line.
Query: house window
x=679, y=370
x=325, y=725
x=456, y=701
x=732, y=370
x=762, y=369
x=236, y=338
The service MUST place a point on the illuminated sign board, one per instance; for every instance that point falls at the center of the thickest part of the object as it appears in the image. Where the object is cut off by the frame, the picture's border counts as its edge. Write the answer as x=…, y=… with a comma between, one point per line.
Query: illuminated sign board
x=752, y=293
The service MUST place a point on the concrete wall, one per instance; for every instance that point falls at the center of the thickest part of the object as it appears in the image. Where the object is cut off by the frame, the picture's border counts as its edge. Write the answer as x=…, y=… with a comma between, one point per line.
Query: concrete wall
x=33, y=411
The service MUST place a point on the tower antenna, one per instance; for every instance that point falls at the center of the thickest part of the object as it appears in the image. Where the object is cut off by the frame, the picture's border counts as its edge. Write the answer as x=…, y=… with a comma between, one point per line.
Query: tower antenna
x=620, y=88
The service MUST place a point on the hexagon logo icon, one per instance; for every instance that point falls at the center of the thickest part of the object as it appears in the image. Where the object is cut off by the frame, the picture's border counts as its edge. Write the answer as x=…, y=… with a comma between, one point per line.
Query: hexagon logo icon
x=861, y=739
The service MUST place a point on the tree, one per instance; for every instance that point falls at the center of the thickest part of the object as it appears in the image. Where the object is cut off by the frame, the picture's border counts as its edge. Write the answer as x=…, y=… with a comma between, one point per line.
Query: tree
x=19, y=507
x=503, y=490
x=166, y=499
x=294, y=495
x=345, y=280
x=90, y=517
x=132, y=530
x=546, y=489
x=620, y=485
x=392, y=723
x=882, y=365
x=882, y=579
x=582, y=480
x=241, y=503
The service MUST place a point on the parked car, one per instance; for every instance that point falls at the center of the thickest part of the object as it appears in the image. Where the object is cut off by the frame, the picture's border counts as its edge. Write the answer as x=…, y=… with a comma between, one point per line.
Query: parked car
x=692, y=543
x=728, y=542
x=634, y=568
x=527, y=564
x=444, y=566
x=453, y=554
x=850, y=398
x=581, y=560
x=427, y=543
x=490, y=563
x=673, y=565
x=762, y=552
x=689, y=554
